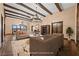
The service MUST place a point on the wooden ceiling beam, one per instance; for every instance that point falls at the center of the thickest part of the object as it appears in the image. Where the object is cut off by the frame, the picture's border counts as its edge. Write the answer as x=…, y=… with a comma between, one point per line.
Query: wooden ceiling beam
x=16, y=16
x=18, y=9
x=44, y=8
x=58, y=7
x=25, y=6
x=16, y=13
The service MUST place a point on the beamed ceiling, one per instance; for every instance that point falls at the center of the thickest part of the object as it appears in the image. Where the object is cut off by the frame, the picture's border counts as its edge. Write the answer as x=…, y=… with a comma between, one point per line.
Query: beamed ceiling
x=26, y=11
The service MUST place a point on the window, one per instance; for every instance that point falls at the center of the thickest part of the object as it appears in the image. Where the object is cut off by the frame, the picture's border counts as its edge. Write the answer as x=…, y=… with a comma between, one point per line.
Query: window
x=18, y=27
x=14, y=27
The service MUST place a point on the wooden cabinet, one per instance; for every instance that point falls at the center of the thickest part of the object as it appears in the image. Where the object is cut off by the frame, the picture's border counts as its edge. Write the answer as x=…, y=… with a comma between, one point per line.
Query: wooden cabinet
x=45, y=29
x=57, y=27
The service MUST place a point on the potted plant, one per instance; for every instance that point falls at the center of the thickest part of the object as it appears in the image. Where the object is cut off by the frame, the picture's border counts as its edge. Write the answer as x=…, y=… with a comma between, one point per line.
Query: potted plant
x=69, y=32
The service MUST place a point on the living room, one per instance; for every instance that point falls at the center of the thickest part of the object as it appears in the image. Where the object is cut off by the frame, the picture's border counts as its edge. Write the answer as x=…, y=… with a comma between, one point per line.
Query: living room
x=55, y=17
x=51, y=19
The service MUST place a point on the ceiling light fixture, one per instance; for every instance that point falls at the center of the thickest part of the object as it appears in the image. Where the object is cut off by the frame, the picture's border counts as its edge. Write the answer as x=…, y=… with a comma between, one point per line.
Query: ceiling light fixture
x=36, y=18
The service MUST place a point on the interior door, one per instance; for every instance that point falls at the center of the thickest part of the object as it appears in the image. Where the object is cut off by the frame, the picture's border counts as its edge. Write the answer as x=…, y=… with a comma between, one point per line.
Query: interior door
x=1, y=29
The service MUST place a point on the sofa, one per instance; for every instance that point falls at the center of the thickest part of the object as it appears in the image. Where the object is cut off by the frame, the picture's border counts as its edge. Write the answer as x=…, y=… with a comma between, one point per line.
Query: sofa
x=47, y=45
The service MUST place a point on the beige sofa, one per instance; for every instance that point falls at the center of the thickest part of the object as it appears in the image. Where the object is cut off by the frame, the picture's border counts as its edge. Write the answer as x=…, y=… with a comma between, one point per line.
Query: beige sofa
x=46, y=45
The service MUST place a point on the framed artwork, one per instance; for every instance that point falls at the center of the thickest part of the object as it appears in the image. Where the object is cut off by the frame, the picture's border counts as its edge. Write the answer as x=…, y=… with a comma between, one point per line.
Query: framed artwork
x=57, y=27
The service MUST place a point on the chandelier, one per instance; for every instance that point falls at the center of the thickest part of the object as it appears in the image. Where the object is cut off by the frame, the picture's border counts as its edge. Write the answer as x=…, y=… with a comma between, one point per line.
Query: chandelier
x=36, y=18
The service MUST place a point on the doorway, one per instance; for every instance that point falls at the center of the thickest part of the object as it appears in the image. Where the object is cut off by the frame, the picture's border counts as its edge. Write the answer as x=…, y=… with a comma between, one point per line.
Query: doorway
x=1, y=28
